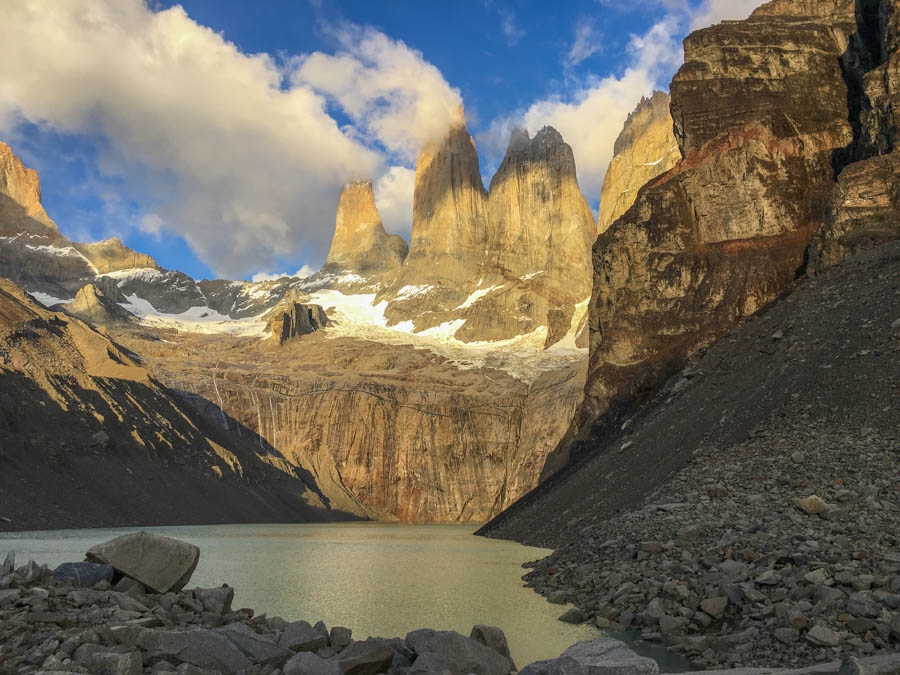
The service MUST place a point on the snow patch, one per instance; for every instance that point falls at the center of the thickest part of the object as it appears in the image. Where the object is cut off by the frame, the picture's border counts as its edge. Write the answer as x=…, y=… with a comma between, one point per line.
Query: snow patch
x=201, y=319
x=48, y=300
x=531, y=275
x=412, y=291
x=147, y=274
x=477, y=295
x=653, y=163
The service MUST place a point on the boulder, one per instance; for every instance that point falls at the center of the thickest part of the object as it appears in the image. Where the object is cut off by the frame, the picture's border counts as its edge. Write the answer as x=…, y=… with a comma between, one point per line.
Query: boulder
x=572, y=615
x=811, y=505
x=83, y=574
x=492, y=637
x=603, y=656
x=261, y=649
x=198, y=646
x=9, y=564
x=467, y=655
x=307, y=663
x=370, y=657
x=302, y=637
x=160, y=563
x=215, y=600
x=340, y=637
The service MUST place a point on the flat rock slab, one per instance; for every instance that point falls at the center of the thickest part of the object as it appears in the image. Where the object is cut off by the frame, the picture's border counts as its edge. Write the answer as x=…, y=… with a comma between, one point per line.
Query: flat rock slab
x=604, y=656
x=466, y=654
x=160, y=563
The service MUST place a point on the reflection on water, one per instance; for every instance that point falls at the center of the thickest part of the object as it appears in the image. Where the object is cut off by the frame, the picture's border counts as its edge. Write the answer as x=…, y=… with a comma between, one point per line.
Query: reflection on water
x=378, y=579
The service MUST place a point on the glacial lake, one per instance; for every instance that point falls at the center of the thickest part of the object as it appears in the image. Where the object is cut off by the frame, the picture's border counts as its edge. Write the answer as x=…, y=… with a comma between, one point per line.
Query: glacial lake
x=377, y=579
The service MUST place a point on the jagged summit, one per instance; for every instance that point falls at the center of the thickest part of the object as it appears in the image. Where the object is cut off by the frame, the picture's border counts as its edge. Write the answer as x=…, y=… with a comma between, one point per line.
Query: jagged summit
x=645, y=149
x=360, y=243
x=20, y=198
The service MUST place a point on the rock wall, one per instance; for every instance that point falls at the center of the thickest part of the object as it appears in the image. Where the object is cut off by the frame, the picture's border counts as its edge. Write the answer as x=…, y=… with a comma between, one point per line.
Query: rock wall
x=645, y=149
x=724, y=232
x=498, y=265
x=387, y=431
x=294, y=319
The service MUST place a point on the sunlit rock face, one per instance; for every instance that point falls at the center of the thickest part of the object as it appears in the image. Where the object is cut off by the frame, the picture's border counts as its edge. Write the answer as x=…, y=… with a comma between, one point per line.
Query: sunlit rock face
x=496, y=265
x=726, y=230
x=645, y=149
x=360, y=243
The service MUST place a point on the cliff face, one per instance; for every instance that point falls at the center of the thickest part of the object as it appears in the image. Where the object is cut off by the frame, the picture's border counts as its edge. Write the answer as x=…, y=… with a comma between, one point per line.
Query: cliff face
x=83, y=422
x=726, y=230
x=360, y=244
x=645, y=149
x=20, y=199
x=494, y=266
x=388, y=431
x=293, y=319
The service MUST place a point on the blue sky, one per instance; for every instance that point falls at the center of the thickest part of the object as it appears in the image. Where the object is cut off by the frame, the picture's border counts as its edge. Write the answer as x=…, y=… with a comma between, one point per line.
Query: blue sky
x=215, y=135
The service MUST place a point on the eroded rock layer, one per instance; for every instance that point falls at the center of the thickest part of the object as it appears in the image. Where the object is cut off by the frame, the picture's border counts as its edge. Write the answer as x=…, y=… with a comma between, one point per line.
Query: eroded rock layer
x=725, y=231
x=645, y=149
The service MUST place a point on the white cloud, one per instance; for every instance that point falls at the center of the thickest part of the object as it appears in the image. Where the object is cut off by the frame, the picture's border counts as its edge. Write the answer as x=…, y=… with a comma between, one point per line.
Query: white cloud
x=394, y=199
x=385, y=87
x=587, y=43
x=592, y=118
x=714, y=11
x=510, y=29
x=229, y=150
x=302, y=273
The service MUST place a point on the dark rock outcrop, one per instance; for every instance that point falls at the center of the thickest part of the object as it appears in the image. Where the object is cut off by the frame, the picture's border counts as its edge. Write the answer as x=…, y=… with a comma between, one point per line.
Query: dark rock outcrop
x=293, y=319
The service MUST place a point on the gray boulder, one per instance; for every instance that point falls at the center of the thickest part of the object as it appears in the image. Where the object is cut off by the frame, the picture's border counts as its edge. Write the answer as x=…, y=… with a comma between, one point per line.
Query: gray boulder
x=301, y=637
x=494, y=638
x=215, y=600
x=371, y=657
x=9, y=564
x=340, y=637
x=83, y=574
x=307, y=663
x=603, y=656
x=160, y=563
x=261, y=649
x=467, y=655
x=198, y=646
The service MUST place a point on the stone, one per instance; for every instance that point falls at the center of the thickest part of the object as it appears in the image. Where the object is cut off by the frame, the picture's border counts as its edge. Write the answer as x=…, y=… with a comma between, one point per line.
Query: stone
x=368, y=657
x=215, y=600
x=811, y=505
x=130, y=587
x=9, y=563
x=715, y=607
x=291, y=319
x=197, y=646
x=339, y=637
x=83, y=574
x=863, y=605
x=821, y=634
x=602, y=656
x=467, y=655
x=307, y=663
x=111, y=663
x=558, y=597
x=300, y=636
x=492, y=637
x=572, y=615
x=261, y=649
x=768, y=578
x=818, y=576
x=160, y=563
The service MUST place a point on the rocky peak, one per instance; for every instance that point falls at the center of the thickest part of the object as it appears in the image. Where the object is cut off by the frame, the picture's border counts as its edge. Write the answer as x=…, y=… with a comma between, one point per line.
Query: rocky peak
x=113, y=256
x=360, y=243
x=645, y=149
x=93, y=304
x=20, y=198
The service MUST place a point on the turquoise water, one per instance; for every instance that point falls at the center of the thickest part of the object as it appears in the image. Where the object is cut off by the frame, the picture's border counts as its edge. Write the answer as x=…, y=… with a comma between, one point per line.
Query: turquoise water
x=378, y=579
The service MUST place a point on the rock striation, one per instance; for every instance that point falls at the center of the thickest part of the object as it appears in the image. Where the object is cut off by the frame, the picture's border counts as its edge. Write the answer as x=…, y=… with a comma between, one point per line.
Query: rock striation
x=500, y=264
x=724, y=232
x=360, y=244
x=645, y=149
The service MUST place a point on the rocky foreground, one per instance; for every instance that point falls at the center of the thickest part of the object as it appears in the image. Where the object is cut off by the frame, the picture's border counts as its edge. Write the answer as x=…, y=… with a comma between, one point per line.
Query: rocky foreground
x=125, y=612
